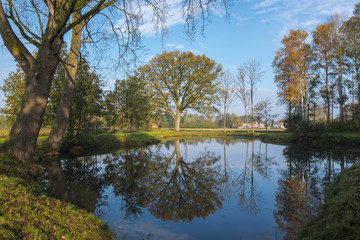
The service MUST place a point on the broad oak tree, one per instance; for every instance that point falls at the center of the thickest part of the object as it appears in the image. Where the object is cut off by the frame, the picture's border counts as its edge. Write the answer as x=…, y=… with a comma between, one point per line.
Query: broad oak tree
x=181, y=80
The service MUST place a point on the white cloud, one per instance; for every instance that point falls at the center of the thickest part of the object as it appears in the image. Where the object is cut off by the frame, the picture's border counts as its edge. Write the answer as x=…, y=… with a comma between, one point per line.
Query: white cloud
x=304, y=14
x=266, y=20
x=266, y=10
x=140, y=230
x=177, y=46
x=266, y=3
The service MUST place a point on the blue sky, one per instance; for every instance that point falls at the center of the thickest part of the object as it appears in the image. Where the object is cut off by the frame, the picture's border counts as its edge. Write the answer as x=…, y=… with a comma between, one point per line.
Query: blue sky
x=255, y=30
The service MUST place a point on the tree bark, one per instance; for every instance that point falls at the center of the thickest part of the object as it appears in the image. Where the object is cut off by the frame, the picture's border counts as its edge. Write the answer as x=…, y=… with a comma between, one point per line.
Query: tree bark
x=224, y=116
x=59, y=125
x=177, y=120
x=327, y=97
x=21, y=141
x=252, y=107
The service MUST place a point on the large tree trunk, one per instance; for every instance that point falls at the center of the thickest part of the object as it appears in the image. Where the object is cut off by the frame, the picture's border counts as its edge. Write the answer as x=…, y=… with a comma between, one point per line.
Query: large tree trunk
x=21, y=141
x=59, y=125
x=177, y=120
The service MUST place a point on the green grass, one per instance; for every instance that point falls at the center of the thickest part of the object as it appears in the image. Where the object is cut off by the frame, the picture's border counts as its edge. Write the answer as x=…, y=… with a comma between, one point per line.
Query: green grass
x=26, y=214
x=339, y=215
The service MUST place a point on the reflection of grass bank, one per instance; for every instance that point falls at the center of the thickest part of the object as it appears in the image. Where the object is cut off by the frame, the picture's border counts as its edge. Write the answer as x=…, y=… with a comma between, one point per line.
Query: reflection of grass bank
x=26, y=214
x=118, y=139
x=339, y=215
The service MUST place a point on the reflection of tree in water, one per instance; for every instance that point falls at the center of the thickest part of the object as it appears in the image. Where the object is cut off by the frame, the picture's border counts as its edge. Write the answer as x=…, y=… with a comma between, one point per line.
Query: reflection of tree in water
x=243, y=183
x=248, y=198
x=78, y=180
x=299, y=190
x=185, y=189
x=171, y=187
x=127, y=172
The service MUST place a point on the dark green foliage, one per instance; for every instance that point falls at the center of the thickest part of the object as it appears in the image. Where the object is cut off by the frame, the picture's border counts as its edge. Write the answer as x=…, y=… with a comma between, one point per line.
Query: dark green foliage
x=339, y=216
x=337, y=126
x=128, y=105
x=12, y=88
x=87, y=109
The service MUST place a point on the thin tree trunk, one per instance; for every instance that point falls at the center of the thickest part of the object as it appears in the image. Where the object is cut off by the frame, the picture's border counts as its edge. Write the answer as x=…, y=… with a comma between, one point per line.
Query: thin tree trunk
x=327, y=95
x=341, y=104
x=58, y=128
x=224, y=117
x=358, y=93
x=252, y=109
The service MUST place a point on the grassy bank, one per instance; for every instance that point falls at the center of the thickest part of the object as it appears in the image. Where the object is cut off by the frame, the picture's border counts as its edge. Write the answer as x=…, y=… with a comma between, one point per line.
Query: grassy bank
x=27, y=214
x=339, y=215
x=313, y=139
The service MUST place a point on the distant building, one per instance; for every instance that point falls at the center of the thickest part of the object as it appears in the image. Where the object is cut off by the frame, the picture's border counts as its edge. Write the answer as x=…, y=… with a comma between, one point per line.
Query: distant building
x=256, y=125
x=154, y=125
x=279, y=124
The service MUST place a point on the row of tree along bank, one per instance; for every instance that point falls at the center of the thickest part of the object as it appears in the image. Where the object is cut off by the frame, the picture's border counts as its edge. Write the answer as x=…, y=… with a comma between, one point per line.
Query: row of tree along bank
x=319, y=78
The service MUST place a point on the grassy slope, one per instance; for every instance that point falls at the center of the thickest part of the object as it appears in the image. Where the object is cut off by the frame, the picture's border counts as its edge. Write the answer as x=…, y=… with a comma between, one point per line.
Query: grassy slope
x=339, y=215
x=27, y=214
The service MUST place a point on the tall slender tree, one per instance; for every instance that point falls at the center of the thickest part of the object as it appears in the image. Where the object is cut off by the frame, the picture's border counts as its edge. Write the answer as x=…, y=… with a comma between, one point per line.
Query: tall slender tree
x=59, y=125
x=338, y=49
x=227, y=94
x=253, y=73
x=322, y=40
x=242, y=92
x=290, y=68
x=351, y=28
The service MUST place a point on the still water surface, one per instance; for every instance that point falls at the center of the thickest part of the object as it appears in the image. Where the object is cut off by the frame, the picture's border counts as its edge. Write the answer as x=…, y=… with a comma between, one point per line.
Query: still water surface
x=228, y=188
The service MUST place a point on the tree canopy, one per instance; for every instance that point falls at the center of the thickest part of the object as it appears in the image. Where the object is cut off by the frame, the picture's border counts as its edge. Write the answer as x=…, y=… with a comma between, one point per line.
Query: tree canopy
x=181, y=80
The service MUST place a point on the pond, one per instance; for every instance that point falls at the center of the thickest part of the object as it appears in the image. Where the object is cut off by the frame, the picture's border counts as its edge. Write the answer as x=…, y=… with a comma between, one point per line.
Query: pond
x=224, y=188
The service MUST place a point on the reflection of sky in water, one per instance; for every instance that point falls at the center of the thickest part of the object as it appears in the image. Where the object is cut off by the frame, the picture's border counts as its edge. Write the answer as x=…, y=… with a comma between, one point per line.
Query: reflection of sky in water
x=230, y=222
x=248, y=219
